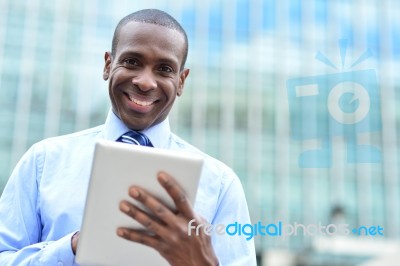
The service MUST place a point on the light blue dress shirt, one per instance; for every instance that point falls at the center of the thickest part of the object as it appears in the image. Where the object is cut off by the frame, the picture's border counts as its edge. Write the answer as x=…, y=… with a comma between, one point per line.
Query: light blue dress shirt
x=42, y=204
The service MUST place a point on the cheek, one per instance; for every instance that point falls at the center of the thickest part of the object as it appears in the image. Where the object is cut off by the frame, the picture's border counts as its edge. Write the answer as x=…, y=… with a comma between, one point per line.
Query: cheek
x=118, y=76
x=116, y=80
x=113, y=92
x=172, y=89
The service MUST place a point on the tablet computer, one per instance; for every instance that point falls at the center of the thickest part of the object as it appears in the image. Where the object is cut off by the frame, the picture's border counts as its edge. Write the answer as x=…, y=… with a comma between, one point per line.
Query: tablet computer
x=117, y=166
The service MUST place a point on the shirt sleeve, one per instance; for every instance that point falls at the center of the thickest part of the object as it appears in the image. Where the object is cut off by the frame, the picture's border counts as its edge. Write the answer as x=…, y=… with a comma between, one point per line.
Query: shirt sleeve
x=20, y=221
x=236, y=249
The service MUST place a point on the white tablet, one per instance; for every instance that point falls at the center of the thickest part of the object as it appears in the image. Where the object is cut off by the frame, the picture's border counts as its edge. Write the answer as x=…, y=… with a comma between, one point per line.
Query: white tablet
x=116, y=167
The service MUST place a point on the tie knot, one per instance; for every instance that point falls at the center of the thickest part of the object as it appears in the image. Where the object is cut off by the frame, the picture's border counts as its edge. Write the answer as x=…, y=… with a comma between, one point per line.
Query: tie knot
x=134, y=137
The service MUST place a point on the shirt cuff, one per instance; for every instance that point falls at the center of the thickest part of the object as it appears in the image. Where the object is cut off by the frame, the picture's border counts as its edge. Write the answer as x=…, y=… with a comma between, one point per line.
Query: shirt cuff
x=59, y=252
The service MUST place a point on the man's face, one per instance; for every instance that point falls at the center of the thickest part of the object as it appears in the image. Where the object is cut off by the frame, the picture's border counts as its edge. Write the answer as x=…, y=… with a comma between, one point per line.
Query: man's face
x=144, y=76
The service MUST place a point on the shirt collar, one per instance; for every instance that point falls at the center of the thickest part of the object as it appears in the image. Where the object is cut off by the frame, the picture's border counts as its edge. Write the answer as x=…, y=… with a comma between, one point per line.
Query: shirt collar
x=158, y=134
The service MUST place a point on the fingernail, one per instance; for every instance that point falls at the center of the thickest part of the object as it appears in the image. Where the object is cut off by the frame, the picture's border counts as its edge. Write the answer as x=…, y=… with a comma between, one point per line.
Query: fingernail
x=120, y=232
x=125, y=207
x=163, y=178
x=134, y=192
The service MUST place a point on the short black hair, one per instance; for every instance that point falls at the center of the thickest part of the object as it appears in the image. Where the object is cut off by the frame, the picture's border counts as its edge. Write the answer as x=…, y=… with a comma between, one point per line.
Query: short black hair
x=153, y=16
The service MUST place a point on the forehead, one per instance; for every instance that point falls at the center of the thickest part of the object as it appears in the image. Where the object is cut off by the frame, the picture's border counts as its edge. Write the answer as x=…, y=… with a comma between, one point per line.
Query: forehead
x=152, y=38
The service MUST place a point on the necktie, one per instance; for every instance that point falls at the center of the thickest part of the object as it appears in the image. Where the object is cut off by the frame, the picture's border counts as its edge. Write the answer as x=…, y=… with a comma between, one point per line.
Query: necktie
x=136, y=138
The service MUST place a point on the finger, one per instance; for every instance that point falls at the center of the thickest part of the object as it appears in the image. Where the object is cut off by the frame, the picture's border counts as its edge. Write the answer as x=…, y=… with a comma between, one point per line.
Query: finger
x=157, y=208
x=177, y=194
x=138, y=236
x=142, y=218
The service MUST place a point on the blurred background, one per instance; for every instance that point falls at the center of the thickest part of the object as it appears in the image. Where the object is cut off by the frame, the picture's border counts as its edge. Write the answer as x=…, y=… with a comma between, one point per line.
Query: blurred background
x=260, y=94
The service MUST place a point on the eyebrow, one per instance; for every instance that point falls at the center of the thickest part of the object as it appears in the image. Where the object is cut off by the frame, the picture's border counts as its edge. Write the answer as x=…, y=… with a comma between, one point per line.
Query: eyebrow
x=166, y=60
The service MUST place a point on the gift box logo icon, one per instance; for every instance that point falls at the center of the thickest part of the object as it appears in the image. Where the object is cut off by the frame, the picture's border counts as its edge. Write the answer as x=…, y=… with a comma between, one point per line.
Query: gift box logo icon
x=341, y=104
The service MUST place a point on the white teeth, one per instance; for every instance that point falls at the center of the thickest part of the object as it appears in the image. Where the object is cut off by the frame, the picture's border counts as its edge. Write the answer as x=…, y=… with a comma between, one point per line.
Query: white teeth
x=142, y=103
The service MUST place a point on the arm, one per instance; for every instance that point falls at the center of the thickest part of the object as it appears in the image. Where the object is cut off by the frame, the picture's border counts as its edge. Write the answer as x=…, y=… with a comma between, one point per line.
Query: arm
x=20, y=222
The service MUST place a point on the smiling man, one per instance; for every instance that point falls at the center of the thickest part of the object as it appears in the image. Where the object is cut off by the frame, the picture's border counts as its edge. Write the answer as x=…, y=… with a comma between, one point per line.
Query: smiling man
x=42, y=205
x=146, y=70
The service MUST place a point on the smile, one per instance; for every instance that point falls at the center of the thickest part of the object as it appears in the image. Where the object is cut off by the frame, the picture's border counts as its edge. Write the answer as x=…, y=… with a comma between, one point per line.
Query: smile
x=139, y=102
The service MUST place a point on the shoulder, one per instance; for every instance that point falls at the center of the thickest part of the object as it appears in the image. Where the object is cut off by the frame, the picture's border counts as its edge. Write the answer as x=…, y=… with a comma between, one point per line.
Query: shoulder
x=220, y=190
x=76, y=136
x=214, y=171
x=80, y=137
x=216, y=165
x=65, y=144
x=59, y=152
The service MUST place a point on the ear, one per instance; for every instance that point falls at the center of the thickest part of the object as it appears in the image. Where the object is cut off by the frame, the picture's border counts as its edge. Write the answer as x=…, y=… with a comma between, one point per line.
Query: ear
x=107, y=65
x=182, y=77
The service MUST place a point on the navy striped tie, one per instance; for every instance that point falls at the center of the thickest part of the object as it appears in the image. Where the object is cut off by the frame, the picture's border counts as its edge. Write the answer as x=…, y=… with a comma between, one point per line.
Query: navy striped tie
x=136, y=138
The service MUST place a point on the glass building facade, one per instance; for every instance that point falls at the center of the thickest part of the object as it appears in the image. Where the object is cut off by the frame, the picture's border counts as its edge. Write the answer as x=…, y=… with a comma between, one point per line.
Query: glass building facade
x=260, y=94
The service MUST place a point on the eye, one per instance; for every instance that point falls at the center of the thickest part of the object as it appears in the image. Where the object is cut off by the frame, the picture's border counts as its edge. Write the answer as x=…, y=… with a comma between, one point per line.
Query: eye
x=131, y=62
x=166, y=69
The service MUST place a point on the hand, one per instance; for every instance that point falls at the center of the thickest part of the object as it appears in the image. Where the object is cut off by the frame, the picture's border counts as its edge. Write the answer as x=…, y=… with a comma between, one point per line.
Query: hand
x=74, y=242
x=169, y=228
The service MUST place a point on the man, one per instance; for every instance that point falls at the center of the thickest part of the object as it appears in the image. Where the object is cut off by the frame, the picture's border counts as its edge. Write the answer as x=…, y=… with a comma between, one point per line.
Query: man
x=42, y=205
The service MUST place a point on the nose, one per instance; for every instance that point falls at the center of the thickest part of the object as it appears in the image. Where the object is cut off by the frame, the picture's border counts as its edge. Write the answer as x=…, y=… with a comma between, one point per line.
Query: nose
x=145, y=80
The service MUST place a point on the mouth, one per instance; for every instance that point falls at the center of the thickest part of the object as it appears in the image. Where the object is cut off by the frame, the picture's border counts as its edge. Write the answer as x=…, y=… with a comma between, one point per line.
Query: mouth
x=140, y=100
x=139, y=103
